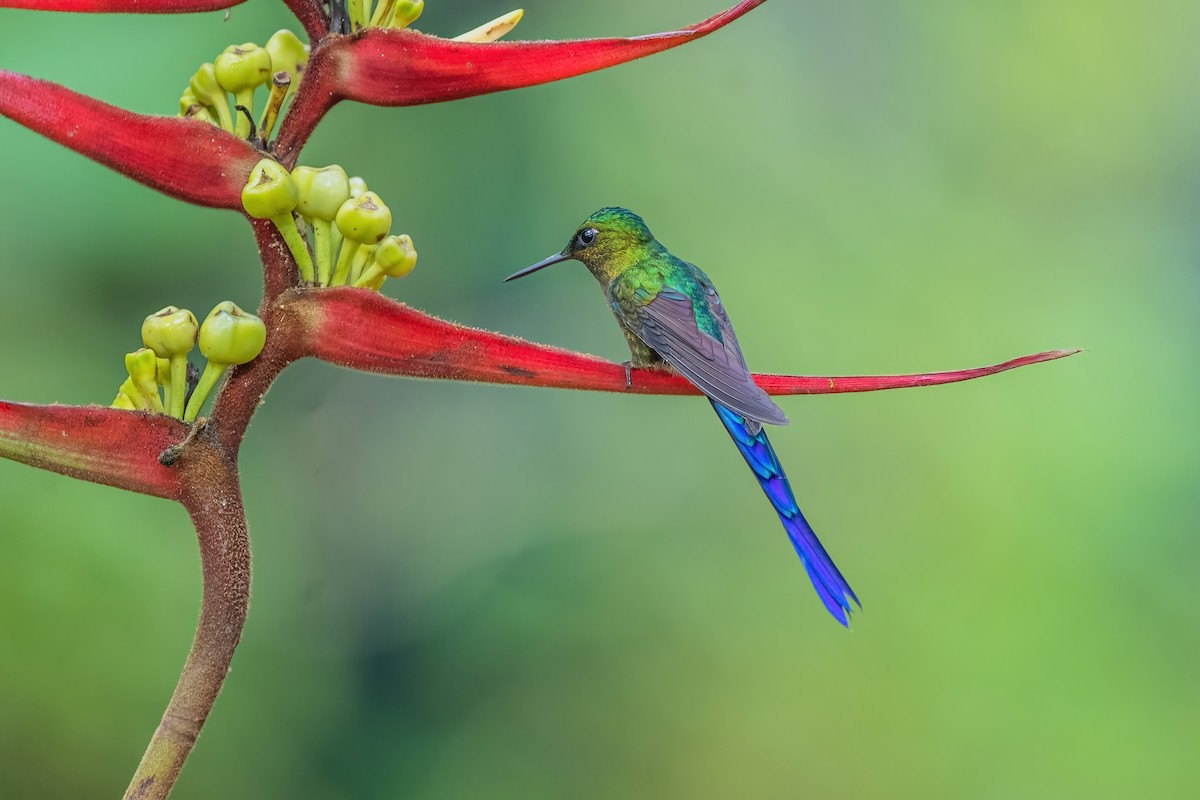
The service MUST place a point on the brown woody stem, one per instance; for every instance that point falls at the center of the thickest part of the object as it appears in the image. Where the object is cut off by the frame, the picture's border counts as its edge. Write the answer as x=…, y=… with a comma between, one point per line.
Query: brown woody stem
x=214, y=501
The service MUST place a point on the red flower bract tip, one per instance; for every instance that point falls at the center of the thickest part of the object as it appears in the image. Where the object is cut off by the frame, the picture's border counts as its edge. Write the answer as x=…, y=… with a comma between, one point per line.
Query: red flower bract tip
x=122, y=6
x=184, y=158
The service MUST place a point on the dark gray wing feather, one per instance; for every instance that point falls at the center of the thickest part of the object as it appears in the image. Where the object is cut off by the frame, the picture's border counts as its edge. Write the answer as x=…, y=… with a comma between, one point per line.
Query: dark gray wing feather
x=667, y=324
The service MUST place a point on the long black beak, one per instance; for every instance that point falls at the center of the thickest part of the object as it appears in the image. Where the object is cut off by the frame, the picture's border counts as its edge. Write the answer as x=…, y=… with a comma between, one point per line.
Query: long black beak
x=557, y=258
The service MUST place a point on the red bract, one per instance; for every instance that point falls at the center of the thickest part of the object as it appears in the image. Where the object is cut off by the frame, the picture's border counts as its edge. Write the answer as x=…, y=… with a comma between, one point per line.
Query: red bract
x=407, y=68
x=363, y=330
x=104, y=445
x=183, y=158
x=122, y=6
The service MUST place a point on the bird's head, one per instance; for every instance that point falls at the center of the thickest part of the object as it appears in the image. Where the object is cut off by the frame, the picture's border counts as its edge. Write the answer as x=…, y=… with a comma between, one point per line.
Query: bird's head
x=607, y=242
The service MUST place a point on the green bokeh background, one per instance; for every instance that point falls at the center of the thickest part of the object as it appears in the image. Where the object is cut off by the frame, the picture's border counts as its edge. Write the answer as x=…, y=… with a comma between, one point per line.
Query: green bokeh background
x=470, y=591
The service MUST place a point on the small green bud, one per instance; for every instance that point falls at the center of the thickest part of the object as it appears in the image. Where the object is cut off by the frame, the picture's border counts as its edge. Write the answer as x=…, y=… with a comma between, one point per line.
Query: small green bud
x=358, y=187
x=230, y=335
x=364, y=219
x=242, y=67
x=396, y=256
x=188, y=104
x=207, y=90
x=405, y=13
x=132, y=395
x=170, y=332
x=321, y=191
x=288, y=54
x=122, y=401
x=142, y=366
x=269, y=192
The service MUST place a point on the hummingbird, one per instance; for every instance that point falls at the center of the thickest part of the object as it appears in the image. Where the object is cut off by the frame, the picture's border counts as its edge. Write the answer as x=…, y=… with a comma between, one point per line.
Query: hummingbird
x=673, y=319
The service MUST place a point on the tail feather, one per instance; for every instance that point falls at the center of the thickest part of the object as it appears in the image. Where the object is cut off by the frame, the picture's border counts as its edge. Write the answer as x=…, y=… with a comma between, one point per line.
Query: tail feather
x=752, y=441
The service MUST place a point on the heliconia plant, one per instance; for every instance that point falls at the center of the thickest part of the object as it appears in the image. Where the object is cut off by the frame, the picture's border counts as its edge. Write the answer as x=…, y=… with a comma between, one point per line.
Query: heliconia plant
x=326, y=247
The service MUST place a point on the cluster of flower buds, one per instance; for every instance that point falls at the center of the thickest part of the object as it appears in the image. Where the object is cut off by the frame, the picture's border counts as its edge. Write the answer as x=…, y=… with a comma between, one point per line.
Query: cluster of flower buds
x=228, y=336
x=238, y=71
x=383, y=13
x=350, y=225
x=402, y=13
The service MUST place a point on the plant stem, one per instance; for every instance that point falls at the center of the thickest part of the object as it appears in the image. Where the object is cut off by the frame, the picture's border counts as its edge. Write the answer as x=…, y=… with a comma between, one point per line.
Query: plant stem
x=208, y=380
x=213, y=499
x=178, y=385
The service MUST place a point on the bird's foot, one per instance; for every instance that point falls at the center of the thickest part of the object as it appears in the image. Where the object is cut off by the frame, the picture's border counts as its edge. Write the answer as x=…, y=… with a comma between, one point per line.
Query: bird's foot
x=628, y=365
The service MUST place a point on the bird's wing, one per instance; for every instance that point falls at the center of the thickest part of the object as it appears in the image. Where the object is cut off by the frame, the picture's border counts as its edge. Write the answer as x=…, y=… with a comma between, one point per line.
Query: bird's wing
x=668, y=325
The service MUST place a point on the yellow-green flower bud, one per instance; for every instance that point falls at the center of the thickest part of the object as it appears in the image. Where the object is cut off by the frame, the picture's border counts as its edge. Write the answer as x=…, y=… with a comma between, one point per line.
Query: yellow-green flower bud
x=207, y=90
x=242, y=66
x=270, y=191
x=228, y=336
x=395, y=257
x=270, y=194
x=171, y=334
x=364, y=219
x=122, y=401
x=322, y=192
x=170, y=331
x=240, y=70
x=131, y=395
x=358, y=187
x=405, y=13
x=188, y=104
x=143, y=369
x=288, y=54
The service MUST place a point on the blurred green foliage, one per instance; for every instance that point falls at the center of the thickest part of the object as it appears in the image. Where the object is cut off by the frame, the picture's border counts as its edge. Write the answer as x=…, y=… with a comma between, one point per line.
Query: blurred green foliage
x=473, y=591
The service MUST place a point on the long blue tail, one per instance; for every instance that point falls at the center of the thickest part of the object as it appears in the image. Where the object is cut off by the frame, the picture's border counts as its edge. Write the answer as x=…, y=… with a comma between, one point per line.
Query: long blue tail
x=832, y=588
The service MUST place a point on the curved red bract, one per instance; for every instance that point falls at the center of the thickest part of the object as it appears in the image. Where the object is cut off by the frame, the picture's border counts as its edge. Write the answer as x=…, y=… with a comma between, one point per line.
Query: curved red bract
x=93, y=443
x=122, y=6
x=364, y=330
x=406, y=67
x=184, y=158
x=389, y=67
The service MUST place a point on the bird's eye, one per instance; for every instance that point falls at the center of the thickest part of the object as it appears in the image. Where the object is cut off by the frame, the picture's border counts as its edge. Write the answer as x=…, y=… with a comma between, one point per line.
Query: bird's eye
x=586, y=237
